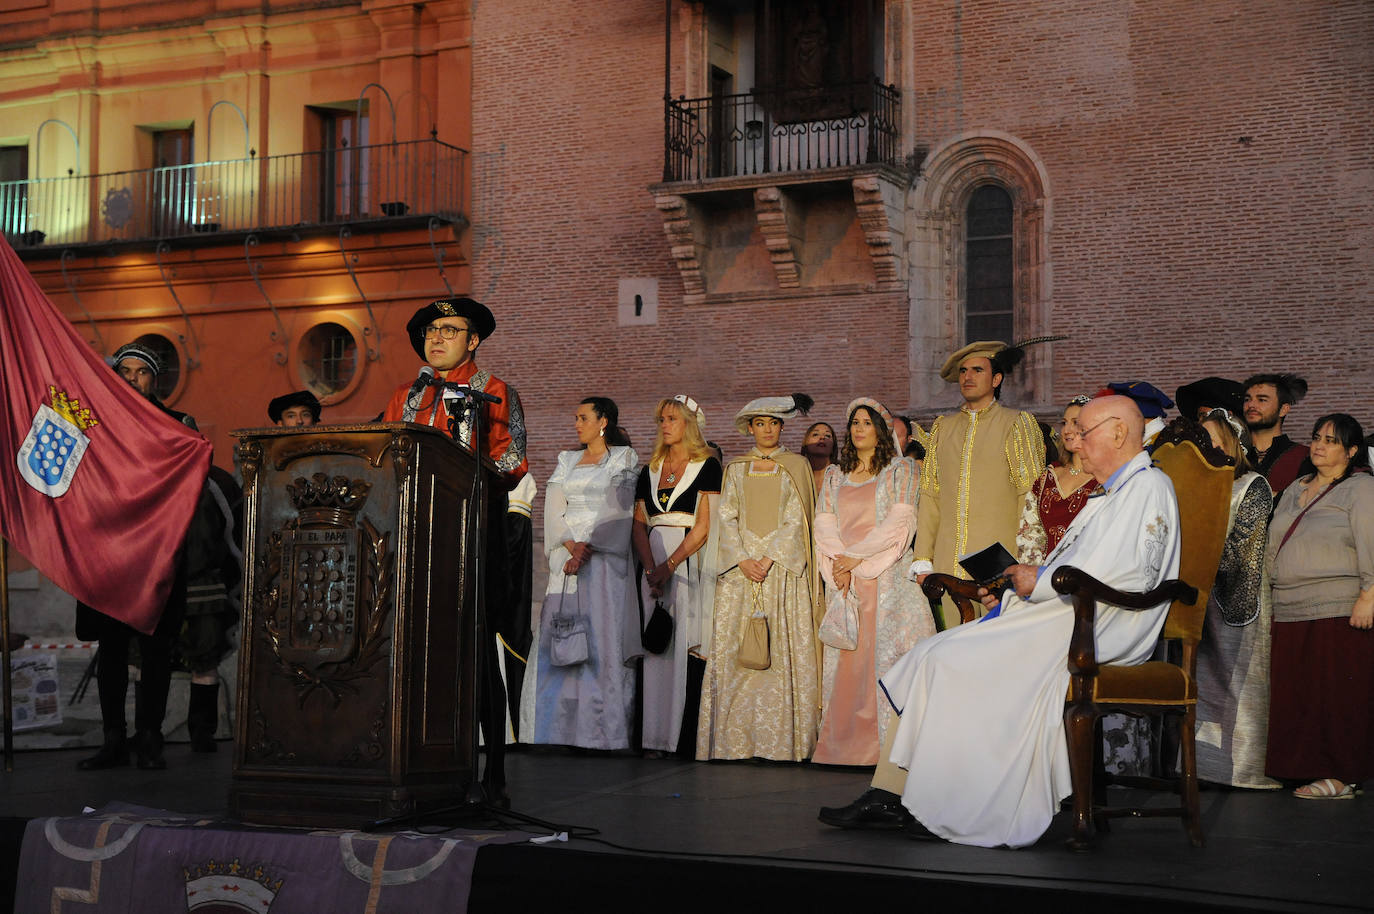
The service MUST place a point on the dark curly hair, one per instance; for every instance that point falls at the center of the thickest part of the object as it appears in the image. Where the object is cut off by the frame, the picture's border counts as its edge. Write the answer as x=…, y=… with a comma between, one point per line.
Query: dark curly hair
x=883, y=454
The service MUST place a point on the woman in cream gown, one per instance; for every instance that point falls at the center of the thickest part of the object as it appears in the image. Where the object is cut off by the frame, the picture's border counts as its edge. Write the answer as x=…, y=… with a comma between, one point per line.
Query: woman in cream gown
x=765, y=567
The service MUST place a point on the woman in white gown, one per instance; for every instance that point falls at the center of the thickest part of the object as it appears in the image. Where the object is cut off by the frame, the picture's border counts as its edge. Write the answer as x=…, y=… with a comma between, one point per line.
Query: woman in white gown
x=587, y=517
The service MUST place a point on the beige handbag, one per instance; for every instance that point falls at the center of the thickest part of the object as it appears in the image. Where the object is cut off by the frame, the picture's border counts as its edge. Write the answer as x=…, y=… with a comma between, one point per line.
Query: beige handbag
x=753, y=646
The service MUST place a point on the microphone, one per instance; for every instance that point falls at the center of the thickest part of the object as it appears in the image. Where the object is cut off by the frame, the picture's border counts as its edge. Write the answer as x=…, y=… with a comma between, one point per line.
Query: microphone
x=425, y=378
x=479, y=395
x=454, y=399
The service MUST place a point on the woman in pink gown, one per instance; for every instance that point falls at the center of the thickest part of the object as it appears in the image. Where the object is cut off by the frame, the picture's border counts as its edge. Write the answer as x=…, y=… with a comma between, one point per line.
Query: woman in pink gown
x=865, y=522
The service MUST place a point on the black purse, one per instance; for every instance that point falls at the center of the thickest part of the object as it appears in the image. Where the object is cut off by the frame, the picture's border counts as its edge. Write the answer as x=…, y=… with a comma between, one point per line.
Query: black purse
x=658, y=634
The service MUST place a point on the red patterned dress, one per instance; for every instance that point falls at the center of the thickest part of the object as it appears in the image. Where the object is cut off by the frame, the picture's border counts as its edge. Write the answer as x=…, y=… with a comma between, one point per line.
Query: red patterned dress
x=1046, y=515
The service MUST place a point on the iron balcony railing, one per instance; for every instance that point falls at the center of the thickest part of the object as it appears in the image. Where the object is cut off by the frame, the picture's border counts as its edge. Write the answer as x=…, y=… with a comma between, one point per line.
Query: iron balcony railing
x=767, y=131
x=349, y=185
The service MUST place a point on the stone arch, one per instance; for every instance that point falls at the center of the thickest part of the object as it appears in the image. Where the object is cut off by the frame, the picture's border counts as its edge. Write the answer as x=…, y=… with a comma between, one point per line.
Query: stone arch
x=939, y=199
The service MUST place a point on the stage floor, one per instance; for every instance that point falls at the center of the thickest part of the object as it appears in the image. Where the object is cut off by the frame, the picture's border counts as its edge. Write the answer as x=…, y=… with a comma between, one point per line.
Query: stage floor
x=678, y=835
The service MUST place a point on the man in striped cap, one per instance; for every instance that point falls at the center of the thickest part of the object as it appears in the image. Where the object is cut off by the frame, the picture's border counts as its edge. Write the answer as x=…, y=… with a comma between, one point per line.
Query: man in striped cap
x=140, y=366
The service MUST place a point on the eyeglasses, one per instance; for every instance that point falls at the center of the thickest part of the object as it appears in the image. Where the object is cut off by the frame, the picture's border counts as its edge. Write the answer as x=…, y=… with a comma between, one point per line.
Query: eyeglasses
x=445, y=331
x=1088, y=431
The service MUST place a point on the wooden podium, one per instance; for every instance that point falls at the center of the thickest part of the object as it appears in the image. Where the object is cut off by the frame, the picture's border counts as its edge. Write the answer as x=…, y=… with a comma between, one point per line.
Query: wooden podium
x=356, y=687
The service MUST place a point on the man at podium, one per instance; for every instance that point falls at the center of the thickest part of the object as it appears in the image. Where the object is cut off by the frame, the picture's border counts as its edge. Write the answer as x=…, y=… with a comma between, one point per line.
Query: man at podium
x=445, y=334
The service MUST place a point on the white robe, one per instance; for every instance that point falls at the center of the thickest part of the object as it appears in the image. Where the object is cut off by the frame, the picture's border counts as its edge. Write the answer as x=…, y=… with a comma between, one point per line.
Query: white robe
x=982, y=706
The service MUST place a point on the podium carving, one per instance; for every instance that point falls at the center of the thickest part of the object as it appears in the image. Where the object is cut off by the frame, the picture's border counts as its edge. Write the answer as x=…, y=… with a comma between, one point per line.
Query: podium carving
x=359, y=570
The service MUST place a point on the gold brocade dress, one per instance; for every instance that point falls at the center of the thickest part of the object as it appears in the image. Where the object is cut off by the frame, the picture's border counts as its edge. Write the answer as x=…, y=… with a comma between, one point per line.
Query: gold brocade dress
x=770, y=713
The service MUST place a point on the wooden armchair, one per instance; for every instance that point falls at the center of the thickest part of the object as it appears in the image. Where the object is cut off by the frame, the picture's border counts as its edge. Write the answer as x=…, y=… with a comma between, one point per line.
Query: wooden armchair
x=963, y=593
x=1202, y=478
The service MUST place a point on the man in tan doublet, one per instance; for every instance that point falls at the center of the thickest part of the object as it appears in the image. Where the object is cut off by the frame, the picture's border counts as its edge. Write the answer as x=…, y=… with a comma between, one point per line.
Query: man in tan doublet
x=979, y=465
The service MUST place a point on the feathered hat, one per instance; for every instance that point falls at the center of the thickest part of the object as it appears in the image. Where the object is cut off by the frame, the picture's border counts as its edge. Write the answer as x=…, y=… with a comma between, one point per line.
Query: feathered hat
x=1002, y=356
x=780, y=408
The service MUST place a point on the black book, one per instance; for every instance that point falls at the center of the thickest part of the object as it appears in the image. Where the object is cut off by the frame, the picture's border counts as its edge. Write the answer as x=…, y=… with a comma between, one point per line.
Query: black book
x=987, y=565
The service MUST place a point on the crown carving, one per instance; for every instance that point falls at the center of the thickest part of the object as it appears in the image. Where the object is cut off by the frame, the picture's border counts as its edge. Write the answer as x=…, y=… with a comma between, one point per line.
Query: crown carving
x=332, y=500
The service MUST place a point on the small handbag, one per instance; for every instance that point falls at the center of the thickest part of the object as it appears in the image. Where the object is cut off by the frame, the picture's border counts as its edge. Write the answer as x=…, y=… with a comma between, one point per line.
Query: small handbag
x=568, y=645
x=753, y=651
x=839, y=627
x=658, y=633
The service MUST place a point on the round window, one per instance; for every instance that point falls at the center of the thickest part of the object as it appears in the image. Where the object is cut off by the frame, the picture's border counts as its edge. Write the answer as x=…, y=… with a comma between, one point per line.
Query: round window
x=170, y=358
x=328, y=358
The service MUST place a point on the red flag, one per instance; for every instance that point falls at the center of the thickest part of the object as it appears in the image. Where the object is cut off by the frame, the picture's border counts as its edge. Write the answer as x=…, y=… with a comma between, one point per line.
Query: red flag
x=97, y=485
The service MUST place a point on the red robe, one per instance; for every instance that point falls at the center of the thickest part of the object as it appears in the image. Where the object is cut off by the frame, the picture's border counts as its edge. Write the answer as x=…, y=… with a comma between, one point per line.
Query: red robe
x=503, y=424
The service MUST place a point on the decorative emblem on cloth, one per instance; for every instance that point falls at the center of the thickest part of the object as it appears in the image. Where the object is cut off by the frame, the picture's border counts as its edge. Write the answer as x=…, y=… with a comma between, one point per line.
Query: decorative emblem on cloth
x=232, y=886
x=326, y=586
x=49, y=456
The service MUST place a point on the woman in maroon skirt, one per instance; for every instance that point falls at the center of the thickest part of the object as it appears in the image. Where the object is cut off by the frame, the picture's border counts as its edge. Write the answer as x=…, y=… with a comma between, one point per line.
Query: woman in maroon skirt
x=1321, y=555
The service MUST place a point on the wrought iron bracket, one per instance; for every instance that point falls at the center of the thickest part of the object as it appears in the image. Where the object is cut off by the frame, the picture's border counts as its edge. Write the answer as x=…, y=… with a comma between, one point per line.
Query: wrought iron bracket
x=435, y=223
x=193, y=359
x=371, y=331
x=278, y=336
x=71, y=289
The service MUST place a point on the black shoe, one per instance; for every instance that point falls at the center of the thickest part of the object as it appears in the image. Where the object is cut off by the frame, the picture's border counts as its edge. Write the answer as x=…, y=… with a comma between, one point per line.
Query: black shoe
x=114, y=753
x=202, y=716
x=914, y=830
x=874, y=808
x=148, y=749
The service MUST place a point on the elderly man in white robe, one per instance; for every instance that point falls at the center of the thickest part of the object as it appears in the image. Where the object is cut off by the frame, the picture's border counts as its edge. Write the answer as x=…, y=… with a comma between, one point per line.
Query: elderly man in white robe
x=982, y=706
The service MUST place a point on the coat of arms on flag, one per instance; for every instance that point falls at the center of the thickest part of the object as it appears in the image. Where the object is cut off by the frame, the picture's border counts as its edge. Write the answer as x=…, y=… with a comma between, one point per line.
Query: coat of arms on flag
x=50, y=454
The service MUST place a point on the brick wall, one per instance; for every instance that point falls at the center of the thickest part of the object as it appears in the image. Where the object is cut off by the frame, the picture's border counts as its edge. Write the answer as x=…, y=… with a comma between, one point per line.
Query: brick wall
x=568, y=124
x=1209, y=166
x=1209, y=172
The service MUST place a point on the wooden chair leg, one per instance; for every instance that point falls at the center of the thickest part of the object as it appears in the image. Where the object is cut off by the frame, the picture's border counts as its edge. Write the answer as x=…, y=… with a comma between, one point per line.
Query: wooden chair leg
x=1101, y=824
x=1079, y=727
x=1188, y=793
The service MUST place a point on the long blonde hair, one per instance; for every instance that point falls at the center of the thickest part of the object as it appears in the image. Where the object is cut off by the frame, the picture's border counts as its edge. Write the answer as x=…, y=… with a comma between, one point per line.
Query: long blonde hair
x=691, y=434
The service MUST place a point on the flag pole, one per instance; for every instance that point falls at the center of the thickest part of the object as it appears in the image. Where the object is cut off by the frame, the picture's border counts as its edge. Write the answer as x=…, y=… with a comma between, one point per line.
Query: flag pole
x=5, y=650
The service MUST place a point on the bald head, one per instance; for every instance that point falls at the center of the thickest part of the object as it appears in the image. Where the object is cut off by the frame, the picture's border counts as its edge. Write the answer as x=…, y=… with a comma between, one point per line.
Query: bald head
x=1113, y=433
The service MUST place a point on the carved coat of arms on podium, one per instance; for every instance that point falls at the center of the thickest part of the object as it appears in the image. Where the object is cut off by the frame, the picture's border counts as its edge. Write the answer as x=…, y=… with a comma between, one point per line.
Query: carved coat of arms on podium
x=325, y=588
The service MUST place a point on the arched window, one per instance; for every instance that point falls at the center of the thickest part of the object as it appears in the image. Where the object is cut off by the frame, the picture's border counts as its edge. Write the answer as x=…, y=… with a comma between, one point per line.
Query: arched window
x=978, y=237
x=988, y=292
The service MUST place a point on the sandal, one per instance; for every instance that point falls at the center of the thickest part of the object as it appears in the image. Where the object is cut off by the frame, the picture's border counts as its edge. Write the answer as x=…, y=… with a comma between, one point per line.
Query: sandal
x=1325, y=789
